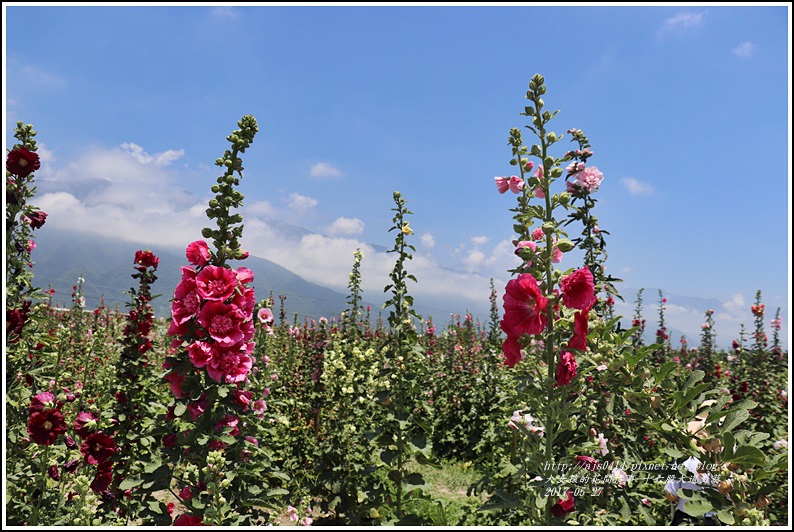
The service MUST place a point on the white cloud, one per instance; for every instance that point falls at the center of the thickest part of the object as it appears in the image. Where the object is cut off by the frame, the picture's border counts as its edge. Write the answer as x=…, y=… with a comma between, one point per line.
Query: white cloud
x=479, y=240
x=158, y=159
x=745, y=49
x=346, y=226
x=300, y=202
x=325, y=170
x=637, y=187
x=683, y=20
x=38, y=76
x=261, y=208
x=428, y=241
x=225, y=12
x=736, y=304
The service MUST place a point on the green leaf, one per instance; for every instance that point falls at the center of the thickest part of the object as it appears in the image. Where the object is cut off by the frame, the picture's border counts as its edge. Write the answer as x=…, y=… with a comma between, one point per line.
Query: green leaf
x=179, y=409
x=664, y=371
x=129, y=483
x=747, y=455
x=726, y=516
x=733, y=419
x=697, y=507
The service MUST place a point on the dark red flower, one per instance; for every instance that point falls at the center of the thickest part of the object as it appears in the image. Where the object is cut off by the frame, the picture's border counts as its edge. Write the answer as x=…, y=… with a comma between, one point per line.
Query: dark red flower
x=41, y=402
x=566, y=369
x=16, y=319
x=146, y=259
x=242, y=398
x=169, y=440
x=84, y=424
x=37, y=219
x=44, y=427
x=103, y=478
x=54, y=472
x=98, y=448
x=580, y=329
x=578, y=290
x=189, y=520
x=71, y=466
x=587, y=462
x=22, y=162
x=563, y=507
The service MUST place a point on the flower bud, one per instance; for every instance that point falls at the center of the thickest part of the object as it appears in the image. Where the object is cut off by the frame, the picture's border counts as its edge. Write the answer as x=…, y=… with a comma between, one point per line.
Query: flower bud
x=206, y=232
x=762, y=502
x=725, y=486
x=565, y=245
x=656, y=402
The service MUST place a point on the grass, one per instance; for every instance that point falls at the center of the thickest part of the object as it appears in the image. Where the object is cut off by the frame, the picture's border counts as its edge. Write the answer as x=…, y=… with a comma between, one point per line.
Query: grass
x=450, y=504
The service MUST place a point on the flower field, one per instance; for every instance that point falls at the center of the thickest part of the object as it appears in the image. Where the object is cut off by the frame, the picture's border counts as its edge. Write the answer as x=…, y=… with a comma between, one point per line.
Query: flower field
x=232, y=412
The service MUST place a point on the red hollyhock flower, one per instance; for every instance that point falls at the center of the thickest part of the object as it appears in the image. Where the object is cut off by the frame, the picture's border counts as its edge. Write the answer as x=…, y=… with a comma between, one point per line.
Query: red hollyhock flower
x=198, y=253
x=98, y=448
x=525, y=307
x=37, y=219
x=512, y=351
x=44, y=427
x=578, y=290
x=566, y=369
x=42, y=401
x=580, y=330
x=103, y=478
x=587, y=462
x=22, y=162
x=85, y=423
x=563, y=507
x=216, y=283
x=146, y=259
x=189, y=520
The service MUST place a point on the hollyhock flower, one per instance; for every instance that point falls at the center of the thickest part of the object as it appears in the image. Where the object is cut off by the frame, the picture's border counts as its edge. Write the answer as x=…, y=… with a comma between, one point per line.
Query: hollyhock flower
x=186, y=493
x=512, y=351
x=260, y=406
x=292, y=512
x=98, y=448
x=215, y=283
x=758, y=310
x=563, y=506
x=223, y=322
x=242, y=398
x=44, y=427
x=602, y=443
x=230, y=367
x=587, y=462
x=175, y=380
x=71, y=466
x=37, y=219
x=146, y=259
x=196, y=408
x=42, y=401
x=780, y=444
x=619, y=476
x=539, y=172
x=578, y=290
x=589, y=179
x=556, y=255
x=566, y=369
x=22, y=162
x=103, y=478
x=54, y=472
x=516, y=184
x=189, y=520
x=200, y=353
x=85, y=424
x=574, y=168
x=170, y=507
x=70, y=443
x=169, y=440
x=187, y=300
x=539, y=193
x=538, y=233
x=501, y=184
x=198, y=253
x=524, y=420
x=265, y=316
x=307, y=521
x=31, y=246
x=244, y=275
x=524, y=307
x=245, y=301
x=529, y=166
x=580, y=330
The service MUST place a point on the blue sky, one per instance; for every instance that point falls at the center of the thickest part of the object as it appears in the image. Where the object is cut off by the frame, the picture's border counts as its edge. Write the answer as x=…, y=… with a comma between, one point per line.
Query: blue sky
x=686, y=108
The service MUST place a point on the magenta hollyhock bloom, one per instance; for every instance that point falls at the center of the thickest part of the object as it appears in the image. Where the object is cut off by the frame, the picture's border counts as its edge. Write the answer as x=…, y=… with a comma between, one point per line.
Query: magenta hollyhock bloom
x=189, y=520
x=260, y=406
x=230, y=366
x=200, y=353
x=589, y=179
x=245, y=301
x=45, y=426
x=146, y=259
x=539, y=172
x=265, y=316
x=578, y=290
x=242, y=398
x=556, y=255
x=228, y=421
x=98, y=448
x=186, y=301
x=539, y=193
x=186, y=493
x=22, y=162
x=512, y=350
x=502, y=184
x=526, y=244
x=563, y=506
x=215, y=283
x=85, y=424
x=515, y=184
x=198, y=253
x=196, y=408
x=580, y=330
x=175, y=380
x=244, y=275
x=566, y=369
x=525, y=307
x=587, y=462
x=538, y=233
x=54, y=472
x=223, y=322
x=41, y=401
x=37, y=219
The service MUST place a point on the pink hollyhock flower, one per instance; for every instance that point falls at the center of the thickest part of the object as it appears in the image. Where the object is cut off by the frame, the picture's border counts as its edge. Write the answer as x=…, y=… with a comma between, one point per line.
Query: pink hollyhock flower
x=196, y=408
x=231, y=366
x=189, y=520
x=563, y=506
x=186, y=493
x=187, y=301
x=619, y=476
x=45, y=426
x=198, y=253
x=587, y=462
x=539, y=193
x=242, y=398
x=307, y=521
x=512, y=351
x=526, y=244
x=228, y=421
x=516, y=184
x=42, y=401
x=85, y=423
x=22, y=162
x=292, y=512
x=31, y=246
x=260, y=406
x=175, y=380
x=146, y=259
x=566, y=369
x=556, y=255
x=578, y=290
x=215, y=283
x=538, y=233
x=501, y=184
x=529, y=166
x=245, y=301
x=602, y=443
x=524, y=307
x=539, y=172
x=244, y=275
x=574, y=168
x=98, y=448
x=200, y=353
x=222, y=322
x=580, y=330
x=589, y=179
